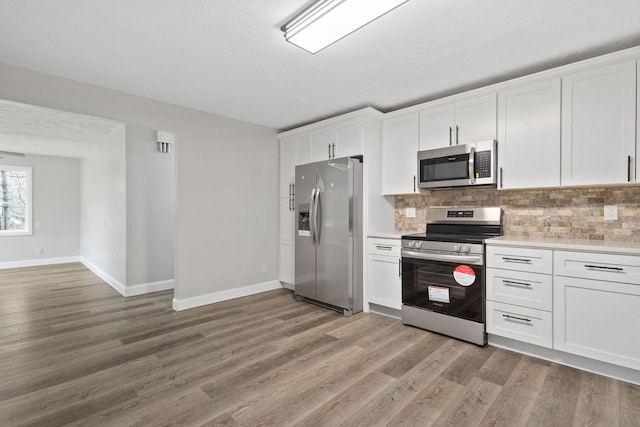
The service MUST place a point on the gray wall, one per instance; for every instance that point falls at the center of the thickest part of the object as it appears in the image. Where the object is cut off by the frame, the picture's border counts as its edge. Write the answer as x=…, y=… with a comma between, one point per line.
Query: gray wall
x=226, y=183
x=56, y=206
x=150, y=209
x=104, y=208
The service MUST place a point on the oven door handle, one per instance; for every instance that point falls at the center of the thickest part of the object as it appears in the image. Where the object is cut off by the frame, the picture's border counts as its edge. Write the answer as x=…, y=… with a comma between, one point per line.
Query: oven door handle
x=467, y=259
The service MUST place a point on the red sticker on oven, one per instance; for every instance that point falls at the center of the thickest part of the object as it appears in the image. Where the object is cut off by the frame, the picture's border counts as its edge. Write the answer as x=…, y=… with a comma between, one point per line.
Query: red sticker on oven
x=464, y=275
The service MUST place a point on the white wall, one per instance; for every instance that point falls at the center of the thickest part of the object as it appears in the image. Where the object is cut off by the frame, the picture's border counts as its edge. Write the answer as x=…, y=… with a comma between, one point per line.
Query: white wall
x=56, y=206
x=226, y=183
x=150, y=209
x=104, y=208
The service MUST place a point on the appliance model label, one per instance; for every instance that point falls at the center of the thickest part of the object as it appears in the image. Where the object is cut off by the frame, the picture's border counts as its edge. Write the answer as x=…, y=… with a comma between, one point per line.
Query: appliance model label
x=464, y=275
x=305, y=233
x=439, y=294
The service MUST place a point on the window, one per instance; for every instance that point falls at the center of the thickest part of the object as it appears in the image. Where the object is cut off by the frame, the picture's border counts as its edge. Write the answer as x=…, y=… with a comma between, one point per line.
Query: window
x=15, y=200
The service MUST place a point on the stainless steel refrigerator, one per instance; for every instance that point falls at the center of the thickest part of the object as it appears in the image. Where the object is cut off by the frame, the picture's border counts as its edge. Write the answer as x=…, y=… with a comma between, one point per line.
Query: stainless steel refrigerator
x=328, y=266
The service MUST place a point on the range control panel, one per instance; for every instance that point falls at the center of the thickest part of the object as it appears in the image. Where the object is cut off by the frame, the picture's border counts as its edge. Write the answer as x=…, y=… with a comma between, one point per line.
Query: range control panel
x=459, y=214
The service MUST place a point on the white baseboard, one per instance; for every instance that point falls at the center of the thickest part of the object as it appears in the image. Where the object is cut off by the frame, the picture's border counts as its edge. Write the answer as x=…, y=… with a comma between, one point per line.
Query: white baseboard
x=590, y=365
x=198, y=301
x=147, y=288
x=119, y=287
x=289, y=286
x=37, y=262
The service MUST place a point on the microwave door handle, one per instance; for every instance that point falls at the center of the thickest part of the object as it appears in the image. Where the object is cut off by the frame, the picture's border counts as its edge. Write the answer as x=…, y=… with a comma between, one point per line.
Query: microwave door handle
x=472, y=166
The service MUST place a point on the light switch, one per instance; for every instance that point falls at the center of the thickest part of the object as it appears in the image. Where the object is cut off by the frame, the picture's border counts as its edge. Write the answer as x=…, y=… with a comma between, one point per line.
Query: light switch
x=410, y=212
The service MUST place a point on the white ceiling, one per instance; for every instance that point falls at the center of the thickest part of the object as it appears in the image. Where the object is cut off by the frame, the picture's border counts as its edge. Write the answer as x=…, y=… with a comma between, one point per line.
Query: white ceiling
x=29, y=129
x=230, y=58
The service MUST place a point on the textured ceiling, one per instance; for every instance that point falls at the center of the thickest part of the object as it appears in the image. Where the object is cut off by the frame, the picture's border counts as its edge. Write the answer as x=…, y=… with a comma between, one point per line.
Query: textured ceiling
x=230, y=58
x=36, y=130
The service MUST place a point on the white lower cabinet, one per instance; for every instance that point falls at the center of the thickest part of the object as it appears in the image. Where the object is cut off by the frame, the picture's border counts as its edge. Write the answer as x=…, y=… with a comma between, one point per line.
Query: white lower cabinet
x=286, y=257
x=597, y=317
x=519, y=294
x=384, y=272
x=520, y=323
x=582, y=304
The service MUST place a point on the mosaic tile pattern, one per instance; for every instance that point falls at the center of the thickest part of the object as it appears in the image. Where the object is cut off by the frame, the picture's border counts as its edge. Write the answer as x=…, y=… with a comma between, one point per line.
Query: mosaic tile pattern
x=575, y=213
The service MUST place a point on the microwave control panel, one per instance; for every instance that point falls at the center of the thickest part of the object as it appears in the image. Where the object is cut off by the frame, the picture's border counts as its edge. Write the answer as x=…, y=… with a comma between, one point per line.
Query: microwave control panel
x=483, y=164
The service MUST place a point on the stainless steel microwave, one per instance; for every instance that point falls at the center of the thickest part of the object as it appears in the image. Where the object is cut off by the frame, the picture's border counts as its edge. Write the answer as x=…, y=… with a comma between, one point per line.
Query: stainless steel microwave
x=458, y=165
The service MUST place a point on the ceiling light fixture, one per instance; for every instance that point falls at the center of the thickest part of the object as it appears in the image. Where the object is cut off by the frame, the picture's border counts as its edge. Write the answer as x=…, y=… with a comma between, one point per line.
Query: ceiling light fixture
x=327, y=21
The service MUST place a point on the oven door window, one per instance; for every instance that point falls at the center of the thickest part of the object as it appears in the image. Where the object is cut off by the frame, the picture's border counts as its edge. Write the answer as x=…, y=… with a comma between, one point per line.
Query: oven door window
x=445, y=168
x=444, y=287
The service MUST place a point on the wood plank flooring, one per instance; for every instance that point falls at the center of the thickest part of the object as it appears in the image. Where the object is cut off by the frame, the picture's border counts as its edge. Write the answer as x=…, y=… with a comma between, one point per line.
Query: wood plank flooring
x=74, y=352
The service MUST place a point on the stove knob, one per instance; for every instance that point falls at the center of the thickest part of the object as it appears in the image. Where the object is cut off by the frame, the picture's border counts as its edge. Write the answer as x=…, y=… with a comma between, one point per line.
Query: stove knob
x=456, y=247
x=418, y=244
x=412, y=243
x=465, y=248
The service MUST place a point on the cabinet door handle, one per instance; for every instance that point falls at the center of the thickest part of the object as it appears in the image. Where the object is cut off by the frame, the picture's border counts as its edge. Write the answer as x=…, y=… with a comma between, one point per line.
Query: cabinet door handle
x=383, y=248
x=603, y=267
x=457, y=134
x=509, y=317
x=517, y=260
x=628, y=168
x=333, y=150
x=399, y=267
x=450, y=139
x=329, y=147
x=414, y=183
x=514, y=283
x=293, y=189
x=501, y=178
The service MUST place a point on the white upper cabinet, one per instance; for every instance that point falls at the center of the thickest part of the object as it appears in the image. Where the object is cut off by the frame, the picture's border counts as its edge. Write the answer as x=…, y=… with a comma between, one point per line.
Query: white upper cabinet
x=293, y=152
x=475, y=119
x=436, y=127
x=348, y=139
x=338, y=140
x=287, y=165
x=637, y=163
x=400, y=154
x=468, y=120
x=598, y=125
x=529, y=136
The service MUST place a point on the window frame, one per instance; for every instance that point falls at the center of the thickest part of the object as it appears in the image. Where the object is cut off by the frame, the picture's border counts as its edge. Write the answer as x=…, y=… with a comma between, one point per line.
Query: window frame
x=28, y=230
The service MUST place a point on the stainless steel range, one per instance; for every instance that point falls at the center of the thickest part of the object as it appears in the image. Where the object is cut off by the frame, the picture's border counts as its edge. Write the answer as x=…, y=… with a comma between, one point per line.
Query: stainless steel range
x=443, y=275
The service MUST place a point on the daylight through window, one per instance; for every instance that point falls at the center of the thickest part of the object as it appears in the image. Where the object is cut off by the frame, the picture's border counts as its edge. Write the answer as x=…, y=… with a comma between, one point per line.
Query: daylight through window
x=15, y=200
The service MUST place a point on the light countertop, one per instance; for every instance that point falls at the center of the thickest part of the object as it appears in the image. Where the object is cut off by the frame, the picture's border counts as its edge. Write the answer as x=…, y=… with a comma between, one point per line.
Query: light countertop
x=385, y=235
x=603, y=246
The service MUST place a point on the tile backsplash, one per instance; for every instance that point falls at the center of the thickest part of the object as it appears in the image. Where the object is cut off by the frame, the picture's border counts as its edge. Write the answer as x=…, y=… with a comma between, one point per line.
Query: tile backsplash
x=573, y=213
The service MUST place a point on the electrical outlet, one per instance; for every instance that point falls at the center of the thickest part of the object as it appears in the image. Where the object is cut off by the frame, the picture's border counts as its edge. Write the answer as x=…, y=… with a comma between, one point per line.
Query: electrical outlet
x=610, y=212
x=264, y=267
x=410, y=212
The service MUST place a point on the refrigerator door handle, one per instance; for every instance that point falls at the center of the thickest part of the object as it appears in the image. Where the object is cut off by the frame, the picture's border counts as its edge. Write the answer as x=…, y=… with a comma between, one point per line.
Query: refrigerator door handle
x=312, y=225
x=316, y=223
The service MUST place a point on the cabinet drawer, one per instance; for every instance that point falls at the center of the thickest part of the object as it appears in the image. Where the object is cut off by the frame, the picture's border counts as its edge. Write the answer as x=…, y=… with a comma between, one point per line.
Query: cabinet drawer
x=530, y=290
x=598, y=266
x=519, y=323
x=521, y=259
x=389, y=247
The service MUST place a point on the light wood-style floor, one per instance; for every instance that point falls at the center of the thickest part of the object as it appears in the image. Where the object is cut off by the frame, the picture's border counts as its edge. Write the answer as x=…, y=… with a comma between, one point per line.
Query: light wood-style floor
x=74, y=352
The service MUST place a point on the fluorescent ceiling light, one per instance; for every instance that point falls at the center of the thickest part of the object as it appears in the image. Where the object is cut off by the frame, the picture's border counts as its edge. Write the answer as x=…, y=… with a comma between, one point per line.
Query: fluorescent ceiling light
x=327, y=21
